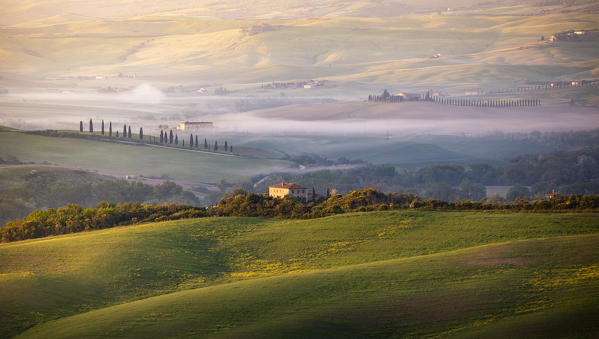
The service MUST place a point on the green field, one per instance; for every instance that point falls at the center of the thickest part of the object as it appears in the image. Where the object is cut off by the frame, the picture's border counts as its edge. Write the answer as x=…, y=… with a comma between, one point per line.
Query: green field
x=400, y=273
x=122, y=159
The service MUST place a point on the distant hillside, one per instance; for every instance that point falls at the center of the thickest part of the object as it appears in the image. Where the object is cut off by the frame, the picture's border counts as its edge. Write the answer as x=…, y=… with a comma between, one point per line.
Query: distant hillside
x=493, y=43
x=40, y=12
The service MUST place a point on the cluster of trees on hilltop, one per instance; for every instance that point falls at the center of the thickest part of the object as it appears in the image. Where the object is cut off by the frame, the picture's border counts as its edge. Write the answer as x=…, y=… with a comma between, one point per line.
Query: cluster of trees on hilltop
x=74, y=218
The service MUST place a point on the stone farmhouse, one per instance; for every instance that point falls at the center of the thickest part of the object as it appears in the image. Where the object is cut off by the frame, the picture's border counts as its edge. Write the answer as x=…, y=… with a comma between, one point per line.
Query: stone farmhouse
x=288, y=188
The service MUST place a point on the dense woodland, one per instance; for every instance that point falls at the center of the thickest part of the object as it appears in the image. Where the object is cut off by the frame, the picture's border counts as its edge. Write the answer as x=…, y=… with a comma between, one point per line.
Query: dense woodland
x=74, y=218
x=569, y=172
x=39, y=189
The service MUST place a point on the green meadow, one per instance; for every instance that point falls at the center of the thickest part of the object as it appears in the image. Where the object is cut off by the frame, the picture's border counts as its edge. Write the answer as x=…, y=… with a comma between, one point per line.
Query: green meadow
x=390, y=274
x=131, y=159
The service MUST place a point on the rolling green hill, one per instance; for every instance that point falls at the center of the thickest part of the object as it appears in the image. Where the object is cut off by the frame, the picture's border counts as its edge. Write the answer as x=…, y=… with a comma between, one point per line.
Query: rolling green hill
x=122, y=159
x=239, y=276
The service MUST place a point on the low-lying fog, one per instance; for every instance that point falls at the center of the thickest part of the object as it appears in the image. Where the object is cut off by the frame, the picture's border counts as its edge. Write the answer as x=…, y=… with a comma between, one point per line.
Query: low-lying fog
x=148, y=107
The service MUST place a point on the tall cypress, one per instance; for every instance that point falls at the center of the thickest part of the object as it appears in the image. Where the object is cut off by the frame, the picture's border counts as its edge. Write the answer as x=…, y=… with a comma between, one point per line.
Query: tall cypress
x=205, y=143
x=170, y=138
x=161, y=137
x=81, y=126
x=191, y=141
x=102, y=126
x=129, y=131
x=196, y=141
x=215, y=145
x=124, y=131
x=313, y=194
x=91, y=126
x=141, y=134
x=117, y=134
x=231, y=148
x=226, y=146
x=176, y=140
x=110, y=129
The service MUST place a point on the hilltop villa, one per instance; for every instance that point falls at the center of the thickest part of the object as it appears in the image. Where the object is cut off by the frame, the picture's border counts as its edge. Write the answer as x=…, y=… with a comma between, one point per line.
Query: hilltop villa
x=194, y=126
x=285, y=188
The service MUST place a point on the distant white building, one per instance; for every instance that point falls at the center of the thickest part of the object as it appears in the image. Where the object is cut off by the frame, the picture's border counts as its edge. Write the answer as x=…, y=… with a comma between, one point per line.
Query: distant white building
x=194, y=125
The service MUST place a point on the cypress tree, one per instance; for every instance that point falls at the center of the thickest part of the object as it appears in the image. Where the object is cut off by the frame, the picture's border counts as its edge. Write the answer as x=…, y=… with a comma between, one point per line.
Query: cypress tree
x=124, y=131
x=81, y=126
x=205, y=143
x=328, y=193
x=313, y=194
x=141, y=134
x=171, y=137
x=102, y=126
x=215, y=145
x=226, y=146
x=91, y=126
x=110, y=129
x=176, y=140
x=191, y=141
x=129, y=131
x=183, y=142
x=117, y=134
x=196, y=141
x=231, y=149
x=161, y=137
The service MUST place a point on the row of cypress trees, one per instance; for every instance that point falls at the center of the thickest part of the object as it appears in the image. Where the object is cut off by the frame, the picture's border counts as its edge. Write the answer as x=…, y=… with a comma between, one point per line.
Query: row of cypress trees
x=165, y=138
x=126, y=130
x=172, y=138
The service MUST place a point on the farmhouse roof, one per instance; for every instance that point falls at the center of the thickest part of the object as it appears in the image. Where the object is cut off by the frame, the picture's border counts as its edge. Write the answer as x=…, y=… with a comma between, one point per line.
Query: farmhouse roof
x=288, y=185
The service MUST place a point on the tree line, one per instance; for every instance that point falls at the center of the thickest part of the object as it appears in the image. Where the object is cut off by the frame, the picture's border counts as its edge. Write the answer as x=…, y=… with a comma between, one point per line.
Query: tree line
x=166, y=138
x=73, y=218
x=569, y=172
x=491, y=102
x=46, y=189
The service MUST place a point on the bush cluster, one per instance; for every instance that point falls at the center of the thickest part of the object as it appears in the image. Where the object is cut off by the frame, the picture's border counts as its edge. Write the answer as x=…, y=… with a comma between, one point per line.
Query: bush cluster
x=74, y=218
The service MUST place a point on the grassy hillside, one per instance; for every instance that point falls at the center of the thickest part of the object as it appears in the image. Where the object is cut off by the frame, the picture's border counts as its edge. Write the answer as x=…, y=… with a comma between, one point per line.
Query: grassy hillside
x=92, y=270
x=446, y=294
x=122, y=159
